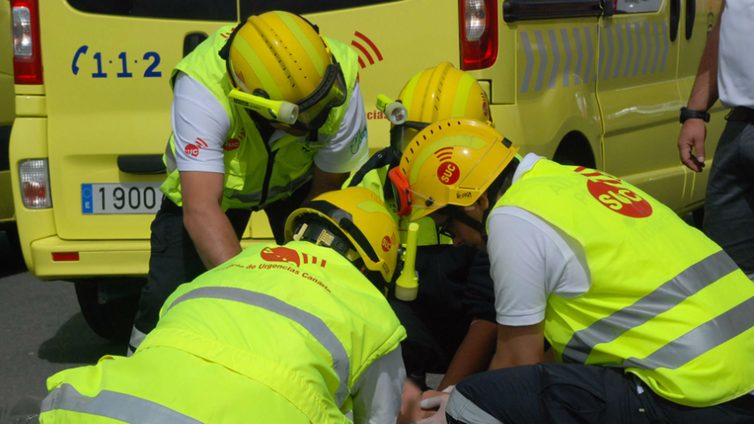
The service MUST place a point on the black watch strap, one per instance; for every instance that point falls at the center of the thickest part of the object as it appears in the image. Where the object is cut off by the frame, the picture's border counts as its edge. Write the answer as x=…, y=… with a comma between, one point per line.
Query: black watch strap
x=687, y=114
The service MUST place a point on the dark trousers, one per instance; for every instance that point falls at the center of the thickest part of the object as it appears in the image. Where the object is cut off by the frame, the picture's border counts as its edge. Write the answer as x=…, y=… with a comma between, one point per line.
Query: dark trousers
x=729, y=203
x=583, y=394
x=174, y=259
x=454, y=288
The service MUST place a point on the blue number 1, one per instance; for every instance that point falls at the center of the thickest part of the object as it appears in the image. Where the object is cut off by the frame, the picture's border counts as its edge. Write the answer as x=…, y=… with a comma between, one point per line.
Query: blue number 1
x=125, y=73
x=99, y=73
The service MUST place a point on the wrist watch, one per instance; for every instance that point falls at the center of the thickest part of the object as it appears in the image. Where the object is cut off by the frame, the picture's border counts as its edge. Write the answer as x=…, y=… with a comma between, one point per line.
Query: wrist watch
x=687, y=114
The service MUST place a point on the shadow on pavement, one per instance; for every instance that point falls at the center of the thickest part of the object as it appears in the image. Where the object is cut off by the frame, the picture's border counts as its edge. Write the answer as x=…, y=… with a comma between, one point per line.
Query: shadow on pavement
x=75, y=343
x=11, y=259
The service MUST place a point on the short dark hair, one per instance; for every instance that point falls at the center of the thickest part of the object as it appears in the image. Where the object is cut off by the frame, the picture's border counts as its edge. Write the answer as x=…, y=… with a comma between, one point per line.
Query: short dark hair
x=503, y=181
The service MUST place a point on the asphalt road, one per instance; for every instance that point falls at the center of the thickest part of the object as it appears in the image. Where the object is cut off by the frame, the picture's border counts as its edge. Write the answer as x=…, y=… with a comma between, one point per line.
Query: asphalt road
x=42, y=332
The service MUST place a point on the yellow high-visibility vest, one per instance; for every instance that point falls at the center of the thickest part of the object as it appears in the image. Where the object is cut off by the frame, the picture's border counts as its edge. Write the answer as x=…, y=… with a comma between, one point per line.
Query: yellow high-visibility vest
x=278, y=333
x=245, y=152
x=665, y=302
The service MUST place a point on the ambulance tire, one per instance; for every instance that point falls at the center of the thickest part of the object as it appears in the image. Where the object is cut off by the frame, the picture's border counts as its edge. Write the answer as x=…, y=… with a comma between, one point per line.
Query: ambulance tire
x=113, y=318
x=16, y=256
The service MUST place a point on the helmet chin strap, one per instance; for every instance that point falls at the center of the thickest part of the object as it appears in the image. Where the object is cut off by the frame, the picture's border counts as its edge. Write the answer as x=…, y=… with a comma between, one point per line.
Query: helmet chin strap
x=457, y=213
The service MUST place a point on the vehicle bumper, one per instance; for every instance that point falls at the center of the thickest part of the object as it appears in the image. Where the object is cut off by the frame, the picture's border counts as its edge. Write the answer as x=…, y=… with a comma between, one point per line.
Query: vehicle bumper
x=111, y=258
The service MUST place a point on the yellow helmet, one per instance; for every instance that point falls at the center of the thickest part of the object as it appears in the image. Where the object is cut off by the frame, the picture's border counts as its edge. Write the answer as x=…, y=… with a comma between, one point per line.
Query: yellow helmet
x=280, y=67
x=361, y=216
x=437, y=93
x=450, y=162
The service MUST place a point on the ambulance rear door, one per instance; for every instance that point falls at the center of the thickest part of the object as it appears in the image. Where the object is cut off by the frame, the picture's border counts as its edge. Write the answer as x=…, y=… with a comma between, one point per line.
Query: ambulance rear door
x=106, y=69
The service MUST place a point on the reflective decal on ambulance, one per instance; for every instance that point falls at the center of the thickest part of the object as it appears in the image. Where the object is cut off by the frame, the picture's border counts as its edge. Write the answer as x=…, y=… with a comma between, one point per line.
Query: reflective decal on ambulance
x=120, y=65
x=625, y=50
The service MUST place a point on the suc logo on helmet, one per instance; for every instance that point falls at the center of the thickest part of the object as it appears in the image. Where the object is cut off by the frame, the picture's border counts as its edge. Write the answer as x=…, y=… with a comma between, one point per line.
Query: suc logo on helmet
x=448, y=173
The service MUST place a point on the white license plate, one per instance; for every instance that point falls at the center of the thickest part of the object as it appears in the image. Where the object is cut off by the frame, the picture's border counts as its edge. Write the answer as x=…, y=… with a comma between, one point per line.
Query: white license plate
x=117, y=198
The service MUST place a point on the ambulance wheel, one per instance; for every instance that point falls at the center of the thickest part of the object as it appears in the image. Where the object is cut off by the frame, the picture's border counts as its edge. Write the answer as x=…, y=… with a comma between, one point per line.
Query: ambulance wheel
x=109, y=306
x=16, y=257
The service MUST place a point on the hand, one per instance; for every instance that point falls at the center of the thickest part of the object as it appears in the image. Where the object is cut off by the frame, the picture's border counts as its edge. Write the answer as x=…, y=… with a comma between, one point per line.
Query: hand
x=430, y=394
x=693, y=134
x=438, y=403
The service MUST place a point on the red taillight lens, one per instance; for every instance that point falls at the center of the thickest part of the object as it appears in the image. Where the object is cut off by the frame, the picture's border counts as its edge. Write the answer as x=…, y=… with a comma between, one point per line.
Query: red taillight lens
x=65, y=256
x=27, y=57
x=478, y=33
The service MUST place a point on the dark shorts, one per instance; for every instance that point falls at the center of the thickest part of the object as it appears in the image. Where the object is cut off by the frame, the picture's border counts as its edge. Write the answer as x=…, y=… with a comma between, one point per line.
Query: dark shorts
x=570, y=394
x=454, y=288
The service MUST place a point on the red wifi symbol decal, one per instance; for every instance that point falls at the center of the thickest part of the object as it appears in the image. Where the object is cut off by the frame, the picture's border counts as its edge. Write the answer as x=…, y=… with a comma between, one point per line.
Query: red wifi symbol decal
x=444, y=154
x=364, y=51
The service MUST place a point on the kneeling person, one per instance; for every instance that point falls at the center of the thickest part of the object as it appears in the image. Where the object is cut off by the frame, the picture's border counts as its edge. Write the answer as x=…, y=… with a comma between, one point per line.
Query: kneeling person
x=279, y=334
x=648, y=319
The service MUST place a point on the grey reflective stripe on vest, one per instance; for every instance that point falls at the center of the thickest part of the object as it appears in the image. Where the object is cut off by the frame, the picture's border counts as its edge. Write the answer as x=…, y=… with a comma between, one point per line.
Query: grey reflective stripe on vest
x=465, y=411
x=170, y=159
x=115, y=405
x=256, y=197
x=662, y=299
x=700, y=340
x=312, y=323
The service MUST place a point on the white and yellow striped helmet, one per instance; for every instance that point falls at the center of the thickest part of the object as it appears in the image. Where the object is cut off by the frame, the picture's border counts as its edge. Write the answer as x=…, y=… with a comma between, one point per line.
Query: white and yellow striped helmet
x=279, y=57
x=438, y=93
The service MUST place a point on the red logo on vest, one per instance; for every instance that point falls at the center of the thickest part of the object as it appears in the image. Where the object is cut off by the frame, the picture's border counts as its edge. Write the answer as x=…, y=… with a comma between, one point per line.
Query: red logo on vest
x=610, y=191
x=231, y=144
x=280, y=254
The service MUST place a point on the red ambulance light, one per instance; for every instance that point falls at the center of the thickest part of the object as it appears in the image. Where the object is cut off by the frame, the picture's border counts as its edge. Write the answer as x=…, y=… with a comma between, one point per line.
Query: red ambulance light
x=65, y=256
x=27, y=57
x=478, y=33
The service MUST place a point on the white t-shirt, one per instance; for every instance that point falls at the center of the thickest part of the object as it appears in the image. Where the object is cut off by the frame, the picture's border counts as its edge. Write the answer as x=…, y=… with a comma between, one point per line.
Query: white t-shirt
x=529, y=260
x=377, y=395
x=735, y=80
x=200, y=120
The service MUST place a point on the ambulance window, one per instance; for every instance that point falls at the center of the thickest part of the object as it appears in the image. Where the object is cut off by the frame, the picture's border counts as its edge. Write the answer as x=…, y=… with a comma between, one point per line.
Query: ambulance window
x=199, y=10
x=253, y=7
x=637, y=6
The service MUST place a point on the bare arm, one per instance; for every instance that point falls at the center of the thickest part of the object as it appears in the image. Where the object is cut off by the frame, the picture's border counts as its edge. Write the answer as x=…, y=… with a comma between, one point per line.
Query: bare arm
x=322, y=182
x=473, y=355
x=204, y=219
x=703, y=96
x=519, y=346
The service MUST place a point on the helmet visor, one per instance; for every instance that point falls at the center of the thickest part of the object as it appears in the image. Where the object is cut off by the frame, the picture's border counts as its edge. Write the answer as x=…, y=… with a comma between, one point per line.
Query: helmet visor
x=315, y=108
x=401, y=135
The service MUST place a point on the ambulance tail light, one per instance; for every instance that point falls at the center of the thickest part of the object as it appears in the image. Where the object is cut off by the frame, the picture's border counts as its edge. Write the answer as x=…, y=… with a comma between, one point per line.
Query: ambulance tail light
x=34, y=177
x=478, y=33
x=27, y=57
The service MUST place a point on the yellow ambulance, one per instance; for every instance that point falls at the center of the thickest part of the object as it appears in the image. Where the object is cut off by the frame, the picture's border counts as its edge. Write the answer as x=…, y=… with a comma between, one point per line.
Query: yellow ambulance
x=593, y=82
